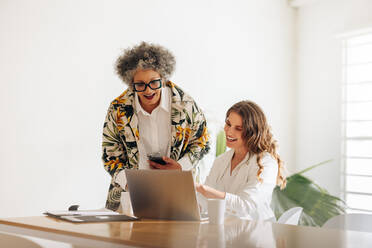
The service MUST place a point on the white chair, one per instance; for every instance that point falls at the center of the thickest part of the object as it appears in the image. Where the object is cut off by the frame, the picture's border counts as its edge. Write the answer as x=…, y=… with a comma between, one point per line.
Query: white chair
x=352, y=222
x=291, y=216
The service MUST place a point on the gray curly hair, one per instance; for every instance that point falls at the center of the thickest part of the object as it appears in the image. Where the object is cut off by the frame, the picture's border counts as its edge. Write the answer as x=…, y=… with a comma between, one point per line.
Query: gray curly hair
x=145, y=56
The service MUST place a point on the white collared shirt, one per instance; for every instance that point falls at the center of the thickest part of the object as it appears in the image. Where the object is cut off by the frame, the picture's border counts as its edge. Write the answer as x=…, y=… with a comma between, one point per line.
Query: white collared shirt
x=154, y=129
x=246, y=197
x=154, y=133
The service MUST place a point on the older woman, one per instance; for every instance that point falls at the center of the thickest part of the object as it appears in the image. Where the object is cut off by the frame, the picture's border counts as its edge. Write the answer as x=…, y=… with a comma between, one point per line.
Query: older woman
x=152, y=116
x=246, y=175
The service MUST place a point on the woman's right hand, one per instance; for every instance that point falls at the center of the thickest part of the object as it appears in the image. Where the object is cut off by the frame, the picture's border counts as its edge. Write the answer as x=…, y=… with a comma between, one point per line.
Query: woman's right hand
x=209, y=192
x=199, y=187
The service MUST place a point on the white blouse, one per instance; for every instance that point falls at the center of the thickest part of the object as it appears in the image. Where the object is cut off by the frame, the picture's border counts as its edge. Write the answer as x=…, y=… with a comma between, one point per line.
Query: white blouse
x=246, y=197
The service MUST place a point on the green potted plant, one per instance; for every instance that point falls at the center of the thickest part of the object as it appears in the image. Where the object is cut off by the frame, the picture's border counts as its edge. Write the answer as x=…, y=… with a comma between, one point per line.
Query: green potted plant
x=318, y=205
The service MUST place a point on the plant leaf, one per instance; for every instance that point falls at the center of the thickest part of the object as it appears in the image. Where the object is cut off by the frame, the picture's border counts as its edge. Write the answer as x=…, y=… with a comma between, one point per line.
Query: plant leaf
x=318, y=205
x=314, y=166
x=220, y=143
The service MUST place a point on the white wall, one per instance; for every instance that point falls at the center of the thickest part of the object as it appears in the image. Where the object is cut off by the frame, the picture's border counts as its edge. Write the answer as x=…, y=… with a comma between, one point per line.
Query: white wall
x=57, y=79
x=318, y=121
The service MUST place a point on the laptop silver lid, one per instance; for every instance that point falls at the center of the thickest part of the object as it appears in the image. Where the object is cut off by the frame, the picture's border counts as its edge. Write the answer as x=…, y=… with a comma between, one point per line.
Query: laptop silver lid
x=163, y=194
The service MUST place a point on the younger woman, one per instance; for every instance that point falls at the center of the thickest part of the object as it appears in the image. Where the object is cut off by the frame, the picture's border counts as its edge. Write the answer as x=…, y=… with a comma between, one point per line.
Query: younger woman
x=246, y=175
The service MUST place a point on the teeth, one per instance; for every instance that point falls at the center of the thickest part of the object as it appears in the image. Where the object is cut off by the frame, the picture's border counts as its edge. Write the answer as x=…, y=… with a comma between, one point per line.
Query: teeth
x=230, y=139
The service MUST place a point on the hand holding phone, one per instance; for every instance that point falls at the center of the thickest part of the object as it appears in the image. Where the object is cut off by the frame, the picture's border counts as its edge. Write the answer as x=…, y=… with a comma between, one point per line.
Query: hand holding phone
x=157, y=162
x=157, y=159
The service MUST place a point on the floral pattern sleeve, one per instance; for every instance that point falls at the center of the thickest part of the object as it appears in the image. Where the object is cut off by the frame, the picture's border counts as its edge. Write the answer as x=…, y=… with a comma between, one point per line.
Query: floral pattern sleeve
x=114, y=155
x=189, y=128
x=196, y=144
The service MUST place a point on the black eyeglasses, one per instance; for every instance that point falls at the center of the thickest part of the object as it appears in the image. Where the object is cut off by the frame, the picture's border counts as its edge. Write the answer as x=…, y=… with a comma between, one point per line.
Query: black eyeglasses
x=141, y=86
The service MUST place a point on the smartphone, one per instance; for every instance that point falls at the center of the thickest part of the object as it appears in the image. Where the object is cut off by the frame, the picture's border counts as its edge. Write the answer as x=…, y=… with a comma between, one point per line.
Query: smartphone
x=157, y=159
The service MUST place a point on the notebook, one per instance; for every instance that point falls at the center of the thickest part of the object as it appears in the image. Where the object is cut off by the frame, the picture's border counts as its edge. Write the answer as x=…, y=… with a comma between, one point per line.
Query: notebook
x=89, y=216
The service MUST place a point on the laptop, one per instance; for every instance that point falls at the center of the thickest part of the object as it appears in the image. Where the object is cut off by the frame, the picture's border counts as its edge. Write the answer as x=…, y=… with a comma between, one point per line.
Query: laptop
x=163, y=194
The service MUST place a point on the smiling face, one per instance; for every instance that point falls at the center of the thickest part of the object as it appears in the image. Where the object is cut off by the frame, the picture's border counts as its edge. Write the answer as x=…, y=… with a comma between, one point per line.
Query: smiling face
x=149, y=99
x=234, y=132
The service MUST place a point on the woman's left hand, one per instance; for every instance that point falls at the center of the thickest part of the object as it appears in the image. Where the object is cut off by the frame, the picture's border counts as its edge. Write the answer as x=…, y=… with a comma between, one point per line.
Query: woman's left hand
x=170, y=164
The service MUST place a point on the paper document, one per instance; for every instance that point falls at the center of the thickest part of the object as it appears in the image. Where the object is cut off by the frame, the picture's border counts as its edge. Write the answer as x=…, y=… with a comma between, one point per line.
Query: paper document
x=82, y=212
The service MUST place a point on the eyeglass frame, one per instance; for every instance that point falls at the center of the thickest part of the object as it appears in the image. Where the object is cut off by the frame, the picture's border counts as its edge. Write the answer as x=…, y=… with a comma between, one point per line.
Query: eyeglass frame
x=147, y=85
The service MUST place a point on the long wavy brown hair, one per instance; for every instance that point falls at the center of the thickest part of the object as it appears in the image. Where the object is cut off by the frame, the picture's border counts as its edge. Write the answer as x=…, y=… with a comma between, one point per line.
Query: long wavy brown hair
x=258, y=137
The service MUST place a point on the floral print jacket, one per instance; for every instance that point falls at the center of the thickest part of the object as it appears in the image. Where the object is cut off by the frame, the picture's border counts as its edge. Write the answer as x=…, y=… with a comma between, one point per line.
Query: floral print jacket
x=120, y=136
